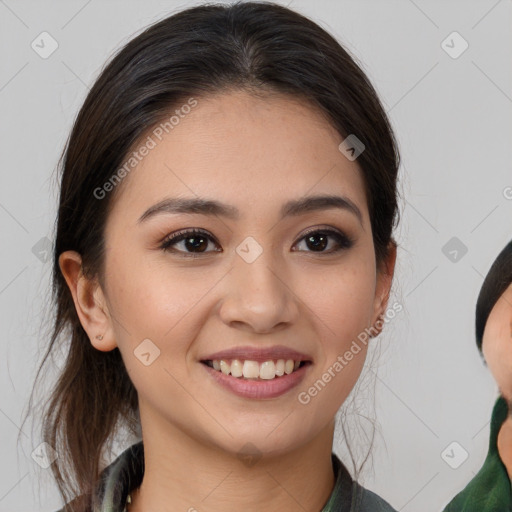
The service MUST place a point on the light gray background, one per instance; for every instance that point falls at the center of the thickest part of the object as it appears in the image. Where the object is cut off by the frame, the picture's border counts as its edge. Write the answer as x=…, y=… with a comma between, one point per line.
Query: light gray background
x=453, y=121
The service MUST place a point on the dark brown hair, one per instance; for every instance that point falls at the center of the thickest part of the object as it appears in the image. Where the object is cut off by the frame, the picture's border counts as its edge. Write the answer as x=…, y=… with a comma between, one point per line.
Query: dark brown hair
x=259, y=47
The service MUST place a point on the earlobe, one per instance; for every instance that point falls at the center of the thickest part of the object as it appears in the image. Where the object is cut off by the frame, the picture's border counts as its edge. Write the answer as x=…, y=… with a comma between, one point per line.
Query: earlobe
x=89, y=302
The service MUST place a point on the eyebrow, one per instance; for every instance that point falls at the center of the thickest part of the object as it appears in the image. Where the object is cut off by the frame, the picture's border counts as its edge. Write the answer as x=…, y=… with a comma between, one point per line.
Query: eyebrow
x=293, y=207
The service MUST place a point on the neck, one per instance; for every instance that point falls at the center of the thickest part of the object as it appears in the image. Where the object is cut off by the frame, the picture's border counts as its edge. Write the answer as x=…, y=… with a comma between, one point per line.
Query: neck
x=184, y=474
x=505, y=445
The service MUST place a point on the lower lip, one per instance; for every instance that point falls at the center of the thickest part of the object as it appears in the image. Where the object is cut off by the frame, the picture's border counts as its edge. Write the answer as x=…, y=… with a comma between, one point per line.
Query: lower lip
x=256, y=388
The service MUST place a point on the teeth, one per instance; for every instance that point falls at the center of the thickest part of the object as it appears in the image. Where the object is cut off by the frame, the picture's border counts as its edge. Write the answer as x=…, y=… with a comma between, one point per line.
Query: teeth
x=252, y=369
x=236, y=368
x=224, y=367
x=267, y=370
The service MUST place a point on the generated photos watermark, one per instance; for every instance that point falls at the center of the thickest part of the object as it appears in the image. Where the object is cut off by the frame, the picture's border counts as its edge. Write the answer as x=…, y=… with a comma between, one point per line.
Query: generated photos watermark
x=304, y=397
x=143, y=150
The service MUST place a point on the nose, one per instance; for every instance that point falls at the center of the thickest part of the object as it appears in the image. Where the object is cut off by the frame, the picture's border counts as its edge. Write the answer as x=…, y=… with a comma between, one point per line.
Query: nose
x=259, y=296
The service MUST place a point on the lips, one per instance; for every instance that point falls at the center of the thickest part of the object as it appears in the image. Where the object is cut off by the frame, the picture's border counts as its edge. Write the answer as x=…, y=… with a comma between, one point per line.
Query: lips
x=257, y=372
x=258, y=388
x=259, y=354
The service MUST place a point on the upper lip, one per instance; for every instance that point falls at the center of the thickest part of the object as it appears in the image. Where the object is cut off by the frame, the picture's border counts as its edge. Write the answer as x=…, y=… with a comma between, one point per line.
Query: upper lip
x=260, y=354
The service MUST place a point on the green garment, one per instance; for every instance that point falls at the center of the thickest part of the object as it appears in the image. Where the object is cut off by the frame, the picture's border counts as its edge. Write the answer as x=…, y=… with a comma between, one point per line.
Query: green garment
x=490, y=489
x=126, y=472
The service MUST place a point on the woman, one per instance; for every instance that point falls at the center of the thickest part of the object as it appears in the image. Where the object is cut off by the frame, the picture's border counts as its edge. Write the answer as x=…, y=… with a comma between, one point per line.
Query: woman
x=224, y=251
x=490, y=490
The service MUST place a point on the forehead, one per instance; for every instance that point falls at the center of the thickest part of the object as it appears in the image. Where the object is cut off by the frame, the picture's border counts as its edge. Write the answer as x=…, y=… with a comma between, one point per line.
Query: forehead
x=252, y=152
x=502, y=309
x=500, y=318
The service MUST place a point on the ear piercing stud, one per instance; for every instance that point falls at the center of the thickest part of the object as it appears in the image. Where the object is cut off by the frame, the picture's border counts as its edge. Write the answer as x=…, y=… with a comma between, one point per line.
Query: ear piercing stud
x=99, y=337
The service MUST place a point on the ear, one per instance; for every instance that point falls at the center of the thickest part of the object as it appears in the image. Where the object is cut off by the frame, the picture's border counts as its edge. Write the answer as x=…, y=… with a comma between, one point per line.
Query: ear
x=90, y=302
x=385, y=274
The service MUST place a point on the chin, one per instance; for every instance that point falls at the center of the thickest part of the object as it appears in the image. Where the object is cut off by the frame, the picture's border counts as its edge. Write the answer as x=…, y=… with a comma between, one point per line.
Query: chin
x=264, y=442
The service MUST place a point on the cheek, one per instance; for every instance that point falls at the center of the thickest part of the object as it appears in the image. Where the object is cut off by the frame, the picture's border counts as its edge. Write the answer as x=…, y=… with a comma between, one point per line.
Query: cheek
x=152, y=297
x=342, y=303
x=160, y=314
x=163, y=307
x=350, y=309
x=343, y=298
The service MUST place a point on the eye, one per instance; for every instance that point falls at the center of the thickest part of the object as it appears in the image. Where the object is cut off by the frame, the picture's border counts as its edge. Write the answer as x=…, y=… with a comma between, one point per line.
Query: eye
x=318, y=240
x=194, y=240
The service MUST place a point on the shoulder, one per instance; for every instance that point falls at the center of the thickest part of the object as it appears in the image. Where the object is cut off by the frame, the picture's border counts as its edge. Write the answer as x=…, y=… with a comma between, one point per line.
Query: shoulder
x=115, y=482
x=350, y=496
x=490, y=488
x=365, y=500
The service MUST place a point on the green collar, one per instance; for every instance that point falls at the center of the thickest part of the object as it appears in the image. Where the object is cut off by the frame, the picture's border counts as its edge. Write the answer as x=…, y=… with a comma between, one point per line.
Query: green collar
x=490, y=489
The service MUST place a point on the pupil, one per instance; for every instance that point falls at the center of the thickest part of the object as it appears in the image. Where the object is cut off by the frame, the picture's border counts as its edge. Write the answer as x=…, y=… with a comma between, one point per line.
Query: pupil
x=199, y=240
x=316, y=245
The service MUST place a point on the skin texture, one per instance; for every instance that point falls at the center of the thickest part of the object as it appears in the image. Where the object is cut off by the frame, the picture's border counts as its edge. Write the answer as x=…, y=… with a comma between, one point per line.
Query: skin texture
x=497, y=350
x=254, y=154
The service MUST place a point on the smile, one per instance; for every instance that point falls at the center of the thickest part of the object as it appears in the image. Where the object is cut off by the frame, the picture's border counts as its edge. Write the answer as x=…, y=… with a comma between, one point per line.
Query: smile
x=260, y=381
x=248, y=369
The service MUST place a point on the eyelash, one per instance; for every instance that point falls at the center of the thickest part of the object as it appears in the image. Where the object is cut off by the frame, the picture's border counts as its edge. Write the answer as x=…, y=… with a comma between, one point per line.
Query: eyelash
x=344, y=242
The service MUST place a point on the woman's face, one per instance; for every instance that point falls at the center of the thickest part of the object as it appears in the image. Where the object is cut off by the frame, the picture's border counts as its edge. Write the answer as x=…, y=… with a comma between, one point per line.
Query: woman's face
x=497, y=343
x=253, y=279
